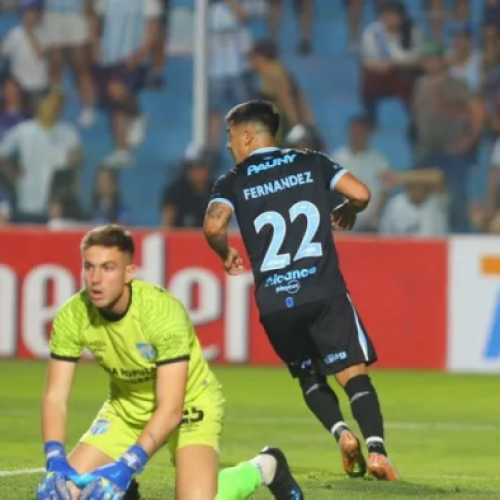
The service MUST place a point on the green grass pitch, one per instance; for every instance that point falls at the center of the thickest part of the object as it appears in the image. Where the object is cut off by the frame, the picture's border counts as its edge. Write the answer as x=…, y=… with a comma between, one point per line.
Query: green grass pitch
x=442, y=432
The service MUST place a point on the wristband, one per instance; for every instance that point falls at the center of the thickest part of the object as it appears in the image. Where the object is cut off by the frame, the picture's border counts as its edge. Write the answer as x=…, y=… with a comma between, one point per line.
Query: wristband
x=135, y=458
x=54, y=449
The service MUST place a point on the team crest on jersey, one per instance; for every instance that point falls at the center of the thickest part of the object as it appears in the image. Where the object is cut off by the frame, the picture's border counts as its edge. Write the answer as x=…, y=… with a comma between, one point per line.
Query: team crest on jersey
x=100, y=427
x=146, y=350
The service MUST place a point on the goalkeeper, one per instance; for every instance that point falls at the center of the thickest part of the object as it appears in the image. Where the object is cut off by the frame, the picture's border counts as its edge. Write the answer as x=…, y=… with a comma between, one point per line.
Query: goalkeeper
x=161, y=391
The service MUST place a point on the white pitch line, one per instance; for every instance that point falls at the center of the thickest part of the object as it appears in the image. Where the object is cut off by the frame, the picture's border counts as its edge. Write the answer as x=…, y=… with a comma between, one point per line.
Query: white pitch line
x=453, y=477
x=21, y=472
x=310, y=421
x=412, y=426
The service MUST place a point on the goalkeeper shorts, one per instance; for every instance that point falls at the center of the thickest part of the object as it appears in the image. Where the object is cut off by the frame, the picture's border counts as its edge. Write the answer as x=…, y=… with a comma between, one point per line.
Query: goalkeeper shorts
x=201, y=425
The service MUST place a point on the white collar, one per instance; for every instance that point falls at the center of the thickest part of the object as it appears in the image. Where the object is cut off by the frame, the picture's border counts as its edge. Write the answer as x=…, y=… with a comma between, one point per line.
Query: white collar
x=264, y=150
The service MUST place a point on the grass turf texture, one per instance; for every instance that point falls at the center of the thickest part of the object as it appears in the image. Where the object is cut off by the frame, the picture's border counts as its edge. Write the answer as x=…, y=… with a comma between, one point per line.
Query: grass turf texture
x=442, y=432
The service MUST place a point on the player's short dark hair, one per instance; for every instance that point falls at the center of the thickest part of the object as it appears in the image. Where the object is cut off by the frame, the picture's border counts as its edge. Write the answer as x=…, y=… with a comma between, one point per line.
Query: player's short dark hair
x=109, y=236
x=256, y=111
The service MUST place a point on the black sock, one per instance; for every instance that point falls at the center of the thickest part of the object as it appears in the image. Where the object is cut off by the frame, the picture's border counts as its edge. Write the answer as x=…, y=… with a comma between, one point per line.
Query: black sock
x=323, y=402
x=365, y=408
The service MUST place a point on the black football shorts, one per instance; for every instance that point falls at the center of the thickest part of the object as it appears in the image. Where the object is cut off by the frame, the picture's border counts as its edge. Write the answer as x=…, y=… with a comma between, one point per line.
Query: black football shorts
x=326, y=335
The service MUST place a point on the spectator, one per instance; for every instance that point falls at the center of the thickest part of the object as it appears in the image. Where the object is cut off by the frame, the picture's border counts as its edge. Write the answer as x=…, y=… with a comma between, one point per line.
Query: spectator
x=107, y=204
x=304, y=137
x=355, y=17
x=305, y=11
x=420, y=209
x=11, y=114
x=65, y=208
x=24, y=47
x=368, y=165
x=42, y=146
x=12, y=111
x=229, y=43
x=491, y=20
x=279, y=86
x=464, y=62
x=390, y=52
x=489, y=64
x=441, y=23
x=5, y=208
x=129, y=33
x=157, y=71
x=67, y=30
x=185, y=201
x=490, y=215
x=449, y=121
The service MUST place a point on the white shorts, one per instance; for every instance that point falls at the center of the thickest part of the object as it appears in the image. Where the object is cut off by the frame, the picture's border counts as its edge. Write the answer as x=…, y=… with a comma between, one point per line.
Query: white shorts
x=66, y=30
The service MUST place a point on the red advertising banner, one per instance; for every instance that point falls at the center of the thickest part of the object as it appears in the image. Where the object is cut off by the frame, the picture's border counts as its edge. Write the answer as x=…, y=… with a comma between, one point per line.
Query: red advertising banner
x=399, y=288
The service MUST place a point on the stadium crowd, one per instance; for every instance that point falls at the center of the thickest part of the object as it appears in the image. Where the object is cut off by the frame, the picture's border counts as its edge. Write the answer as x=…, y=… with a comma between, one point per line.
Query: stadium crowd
x=443, y=68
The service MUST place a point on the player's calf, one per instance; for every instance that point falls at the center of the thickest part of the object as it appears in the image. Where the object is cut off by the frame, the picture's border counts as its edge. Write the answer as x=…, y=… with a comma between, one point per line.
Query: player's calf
x=324, y=404
x=366, y=410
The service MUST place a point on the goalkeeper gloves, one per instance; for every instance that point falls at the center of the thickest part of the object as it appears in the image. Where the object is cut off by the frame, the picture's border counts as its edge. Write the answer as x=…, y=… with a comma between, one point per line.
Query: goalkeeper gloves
x=119, y=473
x=53, y=485
x=56, y=459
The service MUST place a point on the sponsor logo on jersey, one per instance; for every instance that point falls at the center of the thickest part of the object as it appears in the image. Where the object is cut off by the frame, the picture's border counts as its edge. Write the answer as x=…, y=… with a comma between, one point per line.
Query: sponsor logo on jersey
x=289, y=282
x=97, y=346
x=146, y=350
x=275, y=162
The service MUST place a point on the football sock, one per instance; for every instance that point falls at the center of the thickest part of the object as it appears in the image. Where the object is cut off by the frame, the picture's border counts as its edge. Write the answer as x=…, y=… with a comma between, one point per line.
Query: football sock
x=239, y=482
x=323, y=402
x=266, y=465
x=365, y=408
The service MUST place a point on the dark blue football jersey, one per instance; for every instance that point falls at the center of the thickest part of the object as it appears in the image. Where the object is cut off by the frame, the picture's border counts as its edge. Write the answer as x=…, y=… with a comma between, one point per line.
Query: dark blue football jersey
x=282, y=204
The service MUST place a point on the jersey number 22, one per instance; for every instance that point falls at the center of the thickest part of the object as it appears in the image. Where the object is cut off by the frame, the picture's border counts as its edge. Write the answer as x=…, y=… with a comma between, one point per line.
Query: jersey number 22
x=273, y=260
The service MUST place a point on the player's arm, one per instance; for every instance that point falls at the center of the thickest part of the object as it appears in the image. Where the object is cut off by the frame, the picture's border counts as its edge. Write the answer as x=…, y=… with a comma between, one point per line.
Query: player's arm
x=65, y=350
x=351, y=188
x=171, y=381
x=55, y=399
x=215, y=226
x=357, y=195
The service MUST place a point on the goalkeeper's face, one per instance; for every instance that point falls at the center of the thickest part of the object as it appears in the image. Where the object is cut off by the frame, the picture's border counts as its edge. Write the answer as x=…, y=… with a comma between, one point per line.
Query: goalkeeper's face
x=107, y=272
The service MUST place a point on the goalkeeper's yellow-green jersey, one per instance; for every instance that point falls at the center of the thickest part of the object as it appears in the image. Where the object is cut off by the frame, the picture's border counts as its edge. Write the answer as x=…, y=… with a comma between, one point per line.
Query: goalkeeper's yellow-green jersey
x=155, y=330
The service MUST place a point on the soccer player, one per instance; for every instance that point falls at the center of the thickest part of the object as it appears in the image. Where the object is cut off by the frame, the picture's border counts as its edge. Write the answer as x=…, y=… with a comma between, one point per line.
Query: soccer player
x=161, y=389
x=281, y=201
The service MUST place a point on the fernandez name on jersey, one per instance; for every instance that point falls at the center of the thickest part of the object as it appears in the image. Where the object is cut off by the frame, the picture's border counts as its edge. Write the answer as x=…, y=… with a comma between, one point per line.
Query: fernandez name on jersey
x=281, y=200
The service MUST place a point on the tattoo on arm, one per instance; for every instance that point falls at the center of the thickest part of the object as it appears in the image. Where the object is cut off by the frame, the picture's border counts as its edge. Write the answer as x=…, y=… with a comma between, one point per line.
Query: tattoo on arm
x=218, y=243
x=219, y=211
x=218, y=216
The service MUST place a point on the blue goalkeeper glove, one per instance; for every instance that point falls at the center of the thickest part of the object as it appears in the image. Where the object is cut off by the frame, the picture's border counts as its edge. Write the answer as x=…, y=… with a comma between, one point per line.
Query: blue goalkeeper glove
x=119, y=474
x=57, y=461
x=53, y=486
